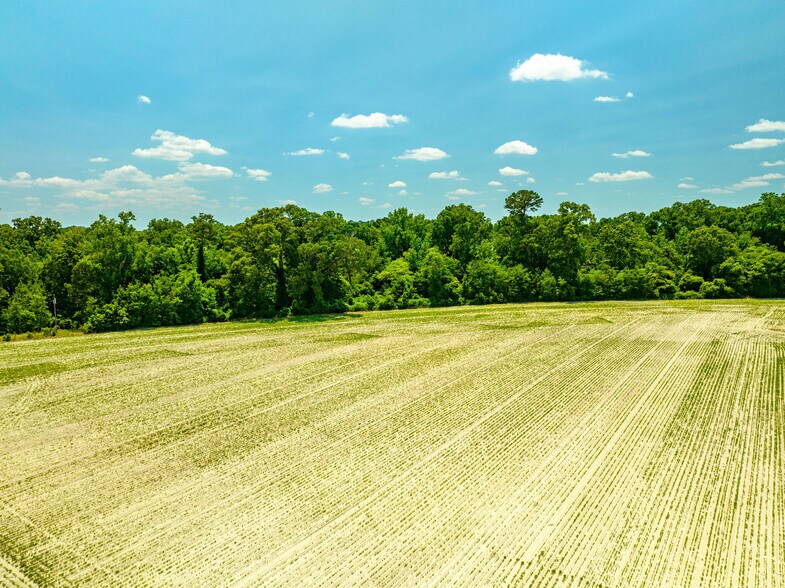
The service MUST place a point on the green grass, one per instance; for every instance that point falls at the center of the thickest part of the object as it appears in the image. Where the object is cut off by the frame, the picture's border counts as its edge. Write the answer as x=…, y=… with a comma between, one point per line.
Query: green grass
x=614, y=444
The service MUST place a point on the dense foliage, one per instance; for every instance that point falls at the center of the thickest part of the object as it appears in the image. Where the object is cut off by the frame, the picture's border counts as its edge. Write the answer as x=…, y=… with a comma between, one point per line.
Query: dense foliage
x=288, y=260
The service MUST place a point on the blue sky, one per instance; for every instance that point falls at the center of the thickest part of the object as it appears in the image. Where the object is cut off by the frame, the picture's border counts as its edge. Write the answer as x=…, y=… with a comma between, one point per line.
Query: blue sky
x=205, y=106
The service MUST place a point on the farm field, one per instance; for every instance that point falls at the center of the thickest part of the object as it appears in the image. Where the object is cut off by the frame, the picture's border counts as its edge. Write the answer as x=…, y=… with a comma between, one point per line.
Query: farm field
x=597, y=444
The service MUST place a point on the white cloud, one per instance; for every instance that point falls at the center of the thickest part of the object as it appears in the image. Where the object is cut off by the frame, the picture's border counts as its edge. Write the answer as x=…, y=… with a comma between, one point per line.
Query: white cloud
x=397, y=184
x=757, y=144
x=628, y=154
x=32, y=200
x=142, y=99
x=607, y=99
x=757, y=181
x=625, y=176
x=494, y=183
x=365, y=201
x=403, y=193
x=322, y=188
x=562, y=194
x=334, y=139
x=686, y=179
x=530, y=180
x=343, y=155
x=310, y=115
x=516, y=147
x=715, y=191
x=177, y=147
x=386, y=205
x=684, y=186
x=513, y=171
x=423, y=154
x=445, y=175
x=452, y=197
x=629, y=95
x=462, y=192
x=306, y=151
x=766, y=126
x=260, y=175
x=553, y=67
x=205, y=170
x=286, y=202
x=773, y=163
x=66, y=207
x=369, y=121
x=98, y=160
x=127, y=173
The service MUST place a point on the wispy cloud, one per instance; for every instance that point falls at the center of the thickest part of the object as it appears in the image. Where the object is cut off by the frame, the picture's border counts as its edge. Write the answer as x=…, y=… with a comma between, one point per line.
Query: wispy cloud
x=684, y=186
x=516, y=148
x=607, y=99
x=369, y=121
x=635, y=153
x=553, y=67
x=625, y=176
x=322, y=188
x=494, y=183
x=342, y=155
x=446, y=175
x=715, y=191
x=462, y=192
x=756, y=181
x=142, y=99
x=177, y=147
x=306, y=151
x=260, y=175
x=397, y=184
x=773, y=163
x=365, y=201
x=98, y=160
x=423, y=154
x=758, y=143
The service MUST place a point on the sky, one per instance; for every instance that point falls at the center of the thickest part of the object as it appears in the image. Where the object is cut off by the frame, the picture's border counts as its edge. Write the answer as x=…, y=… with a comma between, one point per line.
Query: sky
x=169, y=108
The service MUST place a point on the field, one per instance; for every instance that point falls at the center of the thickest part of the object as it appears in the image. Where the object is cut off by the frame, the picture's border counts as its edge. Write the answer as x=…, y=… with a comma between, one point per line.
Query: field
x=604, y=444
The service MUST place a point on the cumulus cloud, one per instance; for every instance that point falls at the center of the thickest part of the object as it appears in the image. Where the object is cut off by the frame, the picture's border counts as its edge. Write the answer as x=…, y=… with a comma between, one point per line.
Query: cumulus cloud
x=287, y=202
x=757, y=144
x=205, y=170
x=397, y=184
x=127, y=173
x=403, y=193
x=445, y=175
x=306, y=151
x=773, y=163
x=494, y=183
x=142, y=99
x=423, y=154
x=635, y=153
x=177, y=147
x=322, y=188
x=684, y=186
x=365, y=201
x=258, y=174
x=513, y=171
x=607, y=99
x=98, y=159
x=629, y=95
x=343, y=155
x=766, y=126
x=515, y=147
x=625, y=176
x=553, y=67
x=462, y=192
x=369, y=121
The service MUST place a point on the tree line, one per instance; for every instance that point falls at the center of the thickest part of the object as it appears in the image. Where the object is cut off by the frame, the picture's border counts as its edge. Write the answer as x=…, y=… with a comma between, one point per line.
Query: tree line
x=288, y=260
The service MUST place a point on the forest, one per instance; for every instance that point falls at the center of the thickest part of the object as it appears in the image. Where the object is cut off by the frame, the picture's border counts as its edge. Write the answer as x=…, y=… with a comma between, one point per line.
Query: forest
x=289, y=261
